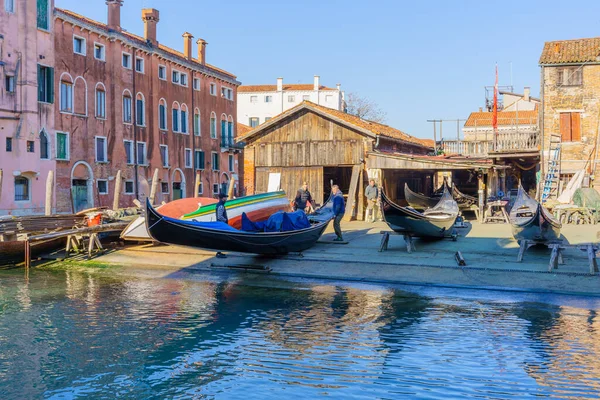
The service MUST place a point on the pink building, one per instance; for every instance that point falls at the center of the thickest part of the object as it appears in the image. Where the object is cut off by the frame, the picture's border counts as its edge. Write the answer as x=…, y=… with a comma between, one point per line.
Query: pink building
x=27, y=136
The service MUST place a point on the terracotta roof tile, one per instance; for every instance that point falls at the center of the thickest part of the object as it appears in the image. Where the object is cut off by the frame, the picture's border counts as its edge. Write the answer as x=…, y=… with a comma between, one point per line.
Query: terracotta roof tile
x=242, y=129
x=484, y=118
x=571, y=51
x=140, y=40
x=273, y=88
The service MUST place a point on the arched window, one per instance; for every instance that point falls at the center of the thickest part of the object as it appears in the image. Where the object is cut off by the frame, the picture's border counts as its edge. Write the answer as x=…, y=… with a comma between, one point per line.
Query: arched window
x=127, y=107
x=21, y=188
x=223, y=130
x=213, y=125
x=175, y=117
x=80, y=96
x=184, y=119
x=162, y=115
x=66, y=93
x=44, y=146
x=197, y=122
x=140, y=110
x=100, y=101
x=230, y=130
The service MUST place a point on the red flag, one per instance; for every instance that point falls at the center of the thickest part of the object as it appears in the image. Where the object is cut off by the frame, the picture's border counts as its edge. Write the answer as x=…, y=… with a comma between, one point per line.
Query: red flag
x=495, y=116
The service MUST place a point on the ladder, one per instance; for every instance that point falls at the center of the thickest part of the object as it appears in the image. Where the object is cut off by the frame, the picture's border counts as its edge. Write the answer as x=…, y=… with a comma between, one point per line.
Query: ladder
x=553, y=176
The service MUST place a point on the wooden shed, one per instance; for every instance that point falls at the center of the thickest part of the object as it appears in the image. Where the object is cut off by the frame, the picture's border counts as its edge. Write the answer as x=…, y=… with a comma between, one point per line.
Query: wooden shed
x=316, y=144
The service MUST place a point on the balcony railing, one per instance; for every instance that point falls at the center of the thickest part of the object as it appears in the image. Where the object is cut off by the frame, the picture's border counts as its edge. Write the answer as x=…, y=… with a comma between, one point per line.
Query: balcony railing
x=507, y=142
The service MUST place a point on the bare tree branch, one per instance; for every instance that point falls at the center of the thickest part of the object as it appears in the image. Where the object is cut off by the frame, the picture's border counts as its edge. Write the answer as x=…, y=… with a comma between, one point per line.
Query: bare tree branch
x=364, y=108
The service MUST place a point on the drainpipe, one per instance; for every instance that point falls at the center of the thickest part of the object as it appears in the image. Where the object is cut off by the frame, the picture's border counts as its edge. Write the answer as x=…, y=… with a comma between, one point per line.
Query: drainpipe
x=135, y=129
x=193, y=135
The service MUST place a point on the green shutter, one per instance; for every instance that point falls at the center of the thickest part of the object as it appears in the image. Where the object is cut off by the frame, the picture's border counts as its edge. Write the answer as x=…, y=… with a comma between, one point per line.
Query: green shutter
x=42, y=14
x=41, y=83
x=50, y=85
x=61, y=146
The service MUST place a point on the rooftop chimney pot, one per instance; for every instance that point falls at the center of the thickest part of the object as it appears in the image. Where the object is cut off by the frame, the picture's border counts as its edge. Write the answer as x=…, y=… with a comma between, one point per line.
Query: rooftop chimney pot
x=114, y=14
x=526, y=93
x=316, y=84
x=202, y=51
x=150, y=16
x=187, y=45
x=279, y=84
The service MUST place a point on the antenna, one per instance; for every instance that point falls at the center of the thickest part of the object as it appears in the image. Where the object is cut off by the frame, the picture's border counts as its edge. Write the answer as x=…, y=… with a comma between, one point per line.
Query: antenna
x=511, y=75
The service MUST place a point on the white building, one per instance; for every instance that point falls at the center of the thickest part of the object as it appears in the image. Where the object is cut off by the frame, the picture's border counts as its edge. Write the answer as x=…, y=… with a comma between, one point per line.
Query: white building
x=259, y=103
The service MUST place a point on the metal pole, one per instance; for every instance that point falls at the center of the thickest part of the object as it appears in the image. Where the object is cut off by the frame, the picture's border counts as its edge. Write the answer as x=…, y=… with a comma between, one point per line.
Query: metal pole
x=457, y=129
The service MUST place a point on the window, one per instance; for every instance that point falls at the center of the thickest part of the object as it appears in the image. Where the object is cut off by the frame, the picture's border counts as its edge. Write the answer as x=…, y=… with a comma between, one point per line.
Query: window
x=164, y=155
x=215, y=188
x=44, y=146
x=570, y=126
x=329, y=98
x=141, y=153
x=306, y=97
x=267, y=118
x=253, y=99
x=127, y=108
x=570, y=76
x=227, y=93
x=45, y=84
x=9, y=144
x=128, y=187
x=199, y=159
x=9, y=82
x=196, y=83
x=164, y=187
x=66, y=96
x=213, y=125
x=188, y=158
x=184, y=119
x=200, y=188
x=9, y=5
x=102, y=186
x=99, y=52
x=162, y=72
x=291, y=99
x=126, y=60
x=79, y=45
x=21, y=188
x=231, y=162
x=175, y=117
x=253, y=122
x=162, y=115
x=140, y=110
x=175, y=78
x=139, y=65
x=215, y=161
x=268, y=99
x=128, y=151
x=62, y=146
x=230, y=131
x=43, y=22
x=223, y=131
x=183, y=79
x=213, y=89
x=197, y=123
x=100, y=102
x=101, y=151
x=30, y=146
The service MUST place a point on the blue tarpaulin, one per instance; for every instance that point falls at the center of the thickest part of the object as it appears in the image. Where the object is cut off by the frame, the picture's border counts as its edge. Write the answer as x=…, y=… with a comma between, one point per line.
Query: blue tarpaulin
x=278, y=222
x=221, y=226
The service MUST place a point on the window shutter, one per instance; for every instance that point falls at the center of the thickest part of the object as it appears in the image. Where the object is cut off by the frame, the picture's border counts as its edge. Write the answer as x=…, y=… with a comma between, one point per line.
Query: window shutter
x=50, y=85
x=575, y=127
x=565, y=127
x=40, y=83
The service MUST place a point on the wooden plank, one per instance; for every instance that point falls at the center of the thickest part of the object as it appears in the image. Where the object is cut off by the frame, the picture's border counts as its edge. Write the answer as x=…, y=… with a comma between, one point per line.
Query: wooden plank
x=360, y=213
x=575, y=127
x=351, y=204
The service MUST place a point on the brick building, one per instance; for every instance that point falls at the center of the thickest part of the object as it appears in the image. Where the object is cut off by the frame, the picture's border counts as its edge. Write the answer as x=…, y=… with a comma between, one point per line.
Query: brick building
x=570, y=74
x=127, y=103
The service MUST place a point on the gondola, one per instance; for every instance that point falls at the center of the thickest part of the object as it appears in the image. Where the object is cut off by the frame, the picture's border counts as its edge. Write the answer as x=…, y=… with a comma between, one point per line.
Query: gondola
x=222, y=237
x=419, y=201
x=531, y=221
x=464, y=201
x=436, y=222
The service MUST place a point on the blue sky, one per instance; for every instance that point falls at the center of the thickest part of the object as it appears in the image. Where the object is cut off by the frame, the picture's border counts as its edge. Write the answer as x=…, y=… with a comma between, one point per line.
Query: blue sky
x=418, y=60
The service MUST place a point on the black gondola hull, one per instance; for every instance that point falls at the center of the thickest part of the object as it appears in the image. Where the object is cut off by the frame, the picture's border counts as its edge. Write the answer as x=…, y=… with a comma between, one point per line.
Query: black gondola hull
x=185, y=233
x=539, y=228
x=417, y=200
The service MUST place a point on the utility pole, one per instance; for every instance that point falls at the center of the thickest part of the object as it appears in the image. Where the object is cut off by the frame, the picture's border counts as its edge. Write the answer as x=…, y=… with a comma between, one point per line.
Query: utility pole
x=441, y=121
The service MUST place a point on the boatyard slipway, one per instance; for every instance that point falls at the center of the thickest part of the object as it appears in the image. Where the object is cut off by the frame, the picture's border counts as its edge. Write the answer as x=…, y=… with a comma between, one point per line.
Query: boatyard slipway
x=490, y=253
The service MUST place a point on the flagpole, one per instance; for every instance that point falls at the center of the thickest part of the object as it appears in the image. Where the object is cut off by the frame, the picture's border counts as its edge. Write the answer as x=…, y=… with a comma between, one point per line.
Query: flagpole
x=495, y=112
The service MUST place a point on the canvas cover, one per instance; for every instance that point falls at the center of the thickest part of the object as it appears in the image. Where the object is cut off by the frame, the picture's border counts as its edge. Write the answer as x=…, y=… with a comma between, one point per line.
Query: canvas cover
x=587, y=198
x=278, y=222
x=446, y=204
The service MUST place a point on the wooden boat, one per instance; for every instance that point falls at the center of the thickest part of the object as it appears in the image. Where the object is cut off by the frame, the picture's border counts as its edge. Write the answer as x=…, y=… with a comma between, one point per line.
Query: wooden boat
x=464, y=201
x=257, y=207
x=436, y=222
x=531, y=221
x=220, y=236
x=417, y=200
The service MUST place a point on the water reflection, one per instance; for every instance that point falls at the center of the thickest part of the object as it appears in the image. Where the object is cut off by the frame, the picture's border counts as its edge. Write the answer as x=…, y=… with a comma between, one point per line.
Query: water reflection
x=69, y=334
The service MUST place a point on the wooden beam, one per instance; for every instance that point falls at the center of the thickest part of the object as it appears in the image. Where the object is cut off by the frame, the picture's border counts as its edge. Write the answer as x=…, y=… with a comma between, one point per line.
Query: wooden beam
x=117, y=193
x=49, y=192
x=351, y=204
x=154, y=186
x=360, y=214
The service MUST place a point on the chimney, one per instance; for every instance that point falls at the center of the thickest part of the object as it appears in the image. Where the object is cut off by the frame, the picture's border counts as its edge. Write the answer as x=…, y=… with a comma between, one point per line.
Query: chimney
x=279, y=84
x=526, y=93
x=150, y=18
x=480, y=109
x=316, y=84
x=187, y=45
x=114, y=14
x=339, y=86
x=202, y=51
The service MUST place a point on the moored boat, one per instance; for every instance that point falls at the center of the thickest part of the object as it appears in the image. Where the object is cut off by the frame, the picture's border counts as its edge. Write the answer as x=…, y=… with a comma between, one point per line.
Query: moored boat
x=436, y=222
x=417, y=200
x=531, y=221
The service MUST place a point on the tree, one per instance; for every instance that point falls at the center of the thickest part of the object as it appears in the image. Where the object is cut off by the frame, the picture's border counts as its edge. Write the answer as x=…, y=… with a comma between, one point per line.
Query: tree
x=364, y=108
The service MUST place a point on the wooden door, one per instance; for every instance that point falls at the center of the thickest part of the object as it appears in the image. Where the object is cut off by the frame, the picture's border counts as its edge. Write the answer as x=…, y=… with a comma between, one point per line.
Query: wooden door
x=80, y=195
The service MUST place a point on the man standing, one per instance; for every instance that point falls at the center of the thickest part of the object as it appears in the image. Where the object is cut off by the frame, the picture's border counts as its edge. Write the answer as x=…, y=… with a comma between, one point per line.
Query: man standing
x=303, y=200
x=220, y=209
x=339, y=208
x=372, y=193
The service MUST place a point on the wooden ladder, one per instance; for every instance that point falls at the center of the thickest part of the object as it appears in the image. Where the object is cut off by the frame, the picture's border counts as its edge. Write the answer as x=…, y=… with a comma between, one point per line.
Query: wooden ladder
x=552, y=180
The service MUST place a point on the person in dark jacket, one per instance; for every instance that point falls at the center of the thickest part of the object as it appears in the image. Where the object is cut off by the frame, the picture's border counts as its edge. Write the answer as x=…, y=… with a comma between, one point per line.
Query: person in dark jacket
x=303, y=200
x=220, y=210
x=339, y=208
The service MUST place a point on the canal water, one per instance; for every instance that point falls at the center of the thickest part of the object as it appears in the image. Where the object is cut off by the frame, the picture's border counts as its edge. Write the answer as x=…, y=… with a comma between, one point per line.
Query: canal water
x=66, y=334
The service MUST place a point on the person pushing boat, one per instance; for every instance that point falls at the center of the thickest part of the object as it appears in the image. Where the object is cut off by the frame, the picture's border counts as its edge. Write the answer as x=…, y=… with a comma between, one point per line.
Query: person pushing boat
x=303, y=200
x=339, y=208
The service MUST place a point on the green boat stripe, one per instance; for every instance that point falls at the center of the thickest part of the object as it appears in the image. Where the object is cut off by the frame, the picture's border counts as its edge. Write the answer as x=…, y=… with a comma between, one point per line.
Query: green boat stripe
x=235, y=203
